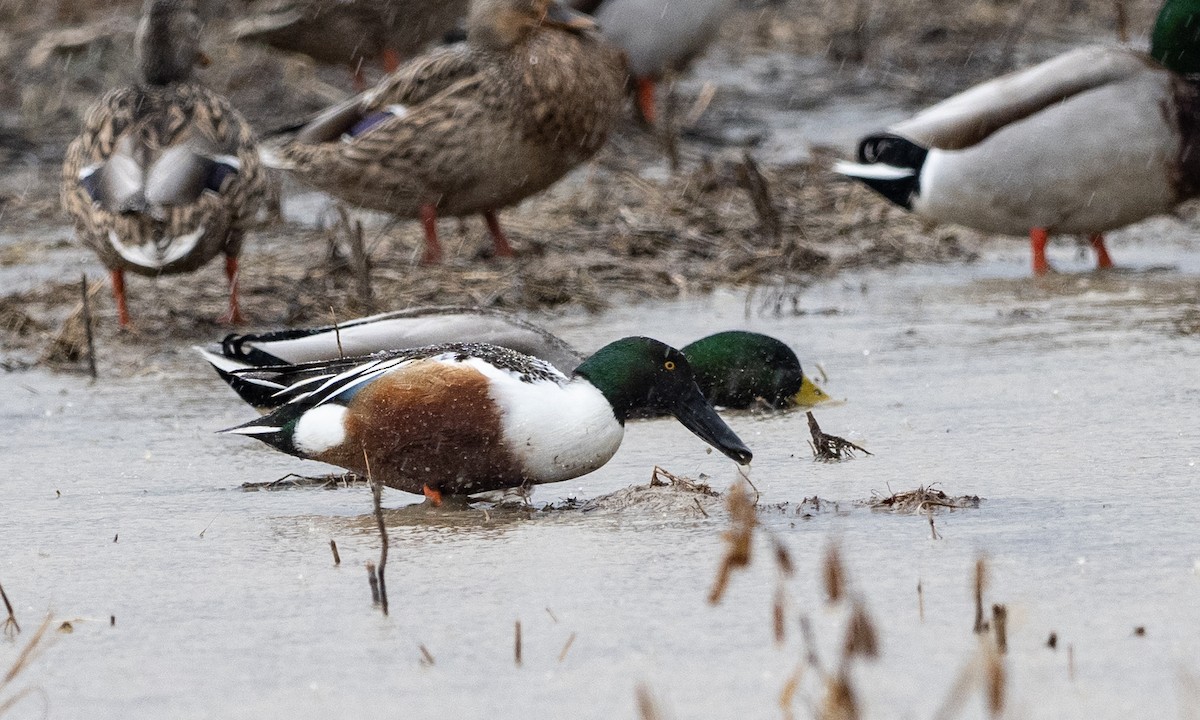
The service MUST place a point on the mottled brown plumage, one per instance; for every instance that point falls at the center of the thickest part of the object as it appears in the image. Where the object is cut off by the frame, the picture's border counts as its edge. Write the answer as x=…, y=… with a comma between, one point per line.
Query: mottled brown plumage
x=412, y=428
x=165, y=174
x=470, y=128
x=350, y=31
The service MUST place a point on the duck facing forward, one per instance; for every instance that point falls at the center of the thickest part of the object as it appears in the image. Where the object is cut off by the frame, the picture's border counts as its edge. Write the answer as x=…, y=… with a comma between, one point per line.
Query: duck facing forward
x=1087, y=142
x=165, y=174
x=472, y=127
x=463, y=418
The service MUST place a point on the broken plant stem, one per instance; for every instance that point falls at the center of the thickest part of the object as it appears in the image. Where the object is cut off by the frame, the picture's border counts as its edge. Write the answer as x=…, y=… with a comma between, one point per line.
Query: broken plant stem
x=87, y=325
x=11, y=626
x=377, y=501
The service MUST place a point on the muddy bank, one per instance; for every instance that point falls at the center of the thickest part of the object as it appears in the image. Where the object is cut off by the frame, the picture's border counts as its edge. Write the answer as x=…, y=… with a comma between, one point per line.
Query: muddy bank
x=742, y=198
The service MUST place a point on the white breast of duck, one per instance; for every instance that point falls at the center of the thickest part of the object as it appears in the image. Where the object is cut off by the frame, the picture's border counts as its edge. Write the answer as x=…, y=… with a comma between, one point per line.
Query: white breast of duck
x=557, y=428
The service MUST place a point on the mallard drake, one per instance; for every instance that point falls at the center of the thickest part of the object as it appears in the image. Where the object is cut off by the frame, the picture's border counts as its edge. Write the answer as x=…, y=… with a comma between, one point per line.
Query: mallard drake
x=734, y=369
x=165, y=174
x=466, y=418
x=1087, y=142
x=657, y=36
x=351, y=32
x=472, y=127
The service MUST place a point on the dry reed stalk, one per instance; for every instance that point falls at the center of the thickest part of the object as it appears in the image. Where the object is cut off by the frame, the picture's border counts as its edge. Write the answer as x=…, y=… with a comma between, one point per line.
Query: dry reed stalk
x=426, y=656
x=755, y=184
x=861, y=638
x=87, y=324
x=11, y=627
x=787, y=694
x=28, y=654
x=833, y=574
x=980, y=584
x=337, y=333
x=742, y=519
x=517, y=643
x=840, y=702
x=1000, y=625
x=373, y=579
x=647, y=707
x=777, y=609
x=377, y=501
x=995, y=681
x=566, y=648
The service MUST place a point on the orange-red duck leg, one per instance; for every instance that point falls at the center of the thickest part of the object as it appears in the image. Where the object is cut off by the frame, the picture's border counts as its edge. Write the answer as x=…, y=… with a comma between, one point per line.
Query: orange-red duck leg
x=391, y=60
x=118, y=286
x=645, y=99
x=1037, y=241
x=234, y=315
x=503, y=248
x=1103, y=260
x=433, y=249
x=434, y=496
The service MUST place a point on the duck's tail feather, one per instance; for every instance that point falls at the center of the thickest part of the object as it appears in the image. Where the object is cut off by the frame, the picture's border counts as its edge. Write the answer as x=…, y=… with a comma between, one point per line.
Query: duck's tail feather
x=890, y=165
x=256, y=391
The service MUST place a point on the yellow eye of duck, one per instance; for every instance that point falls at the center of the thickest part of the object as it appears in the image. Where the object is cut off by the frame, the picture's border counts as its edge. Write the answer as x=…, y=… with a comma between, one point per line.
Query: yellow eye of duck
x=670, y=364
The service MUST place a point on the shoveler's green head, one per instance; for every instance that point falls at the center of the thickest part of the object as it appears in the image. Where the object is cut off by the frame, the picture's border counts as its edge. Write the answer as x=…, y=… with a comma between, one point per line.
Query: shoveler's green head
x=642, y=374
x=1176, y=39
x=735, y=369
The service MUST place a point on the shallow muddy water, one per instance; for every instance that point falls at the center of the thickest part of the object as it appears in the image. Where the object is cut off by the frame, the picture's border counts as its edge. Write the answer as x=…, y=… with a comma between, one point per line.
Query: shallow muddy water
x=1068, y=404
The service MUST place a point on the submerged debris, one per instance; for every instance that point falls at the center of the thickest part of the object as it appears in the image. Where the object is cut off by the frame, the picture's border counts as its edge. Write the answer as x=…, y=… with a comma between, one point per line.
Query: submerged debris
x=292, y=481
x=827, y=447
x=665, y=493
x=922, y=500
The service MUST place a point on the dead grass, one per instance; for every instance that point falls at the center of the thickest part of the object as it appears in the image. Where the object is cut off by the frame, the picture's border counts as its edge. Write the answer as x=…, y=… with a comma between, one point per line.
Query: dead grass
x=922, y=500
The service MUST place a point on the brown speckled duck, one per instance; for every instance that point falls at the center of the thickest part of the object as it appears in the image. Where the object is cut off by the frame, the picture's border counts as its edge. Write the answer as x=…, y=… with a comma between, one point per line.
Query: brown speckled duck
x=351, y=32
x=165, y=174
x=473, y=127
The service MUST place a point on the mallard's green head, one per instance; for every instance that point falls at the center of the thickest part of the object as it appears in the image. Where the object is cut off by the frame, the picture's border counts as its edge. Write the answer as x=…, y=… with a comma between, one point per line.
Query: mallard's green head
x=168, y=41
x=736, y=368
x=1176, y=39
x=641, y=374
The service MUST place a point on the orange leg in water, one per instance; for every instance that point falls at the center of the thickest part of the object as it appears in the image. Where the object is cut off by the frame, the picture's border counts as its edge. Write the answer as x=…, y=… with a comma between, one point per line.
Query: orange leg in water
x=434, y=496
x=645, y=99
x=503, y=249
x=118, y=285
x=1037, y=241
x=234, y=315
x=433, y=249
x=1103, y=261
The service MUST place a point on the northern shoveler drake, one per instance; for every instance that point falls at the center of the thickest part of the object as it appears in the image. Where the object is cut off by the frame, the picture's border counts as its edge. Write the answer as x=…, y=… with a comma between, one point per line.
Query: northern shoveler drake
x=471, y=127
x=734, y=369
x=351, y=32
x=165, y=174
x=466, y=418
x=657, y=36
x=1087, y=142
